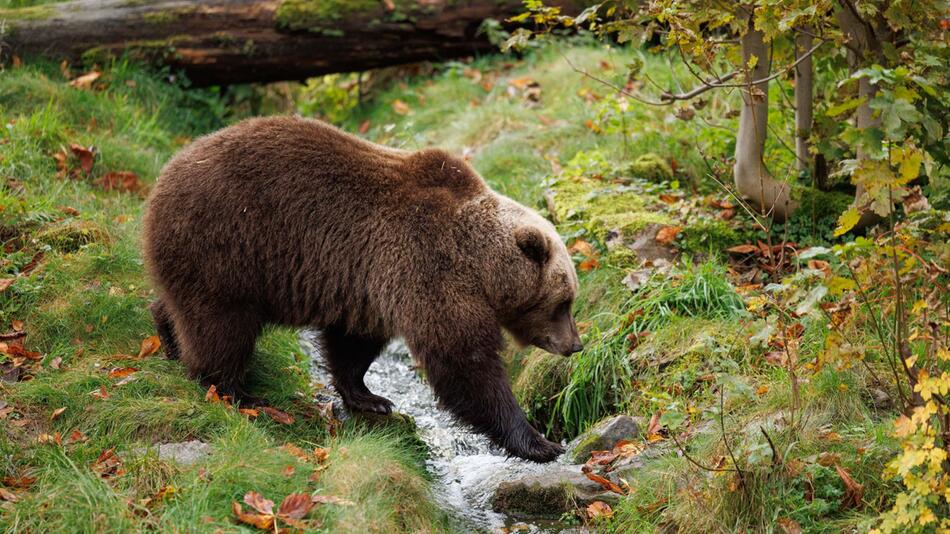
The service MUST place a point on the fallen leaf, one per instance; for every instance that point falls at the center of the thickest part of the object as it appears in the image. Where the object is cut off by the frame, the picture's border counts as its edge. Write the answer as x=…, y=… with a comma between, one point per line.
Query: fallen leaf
x=667, y=234
x=257, y=501
x=582, y=247
x=85, y=155
x=295, y=506
x=260, y=521
x=68, y=210
x=789, y=525
x=364, y=126
x=56, y=413
x=588, y=264
x=85, y=81
x=108, y=464
x=401, y=107
x=17, y=325
x=605, y=483
x=125, y=181
x=289, y=470
x=853, y=492
x=19, y=482
x=321, y=454
x=100, y=393
x=8, y=495
x=57, y=361
x=250, y=412
x=5, y=283
x=330, y=499
x=761, y=390
x=55, y=438
x=828, y=459
x=743, y=249
x=212, y=394
x=77, y=437
x=277, y=415
x=150, y=345
x=599, y=509
x=120, y=372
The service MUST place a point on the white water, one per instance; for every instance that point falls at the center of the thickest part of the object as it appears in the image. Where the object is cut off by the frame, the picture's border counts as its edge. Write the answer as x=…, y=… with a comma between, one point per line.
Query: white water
x=466, y=466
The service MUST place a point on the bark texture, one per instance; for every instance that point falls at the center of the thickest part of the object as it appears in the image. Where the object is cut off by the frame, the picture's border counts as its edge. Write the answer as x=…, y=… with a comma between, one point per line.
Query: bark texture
x=235, y=41
x=804, y=101
x=753, y=181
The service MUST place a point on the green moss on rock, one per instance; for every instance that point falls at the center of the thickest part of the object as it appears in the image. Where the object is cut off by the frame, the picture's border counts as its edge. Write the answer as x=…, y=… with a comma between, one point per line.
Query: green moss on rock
x=70, y=236
x=542, y=378
x=318, y=15
x=651, y=167
x=709, y=235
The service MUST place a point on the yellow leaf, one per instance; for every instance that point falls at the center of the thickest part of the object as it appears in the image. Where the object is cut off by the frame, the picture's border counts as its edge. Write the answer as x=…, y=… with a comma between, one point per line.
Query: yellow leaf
x=838, y=285
x=908, y=160
x=846, y=221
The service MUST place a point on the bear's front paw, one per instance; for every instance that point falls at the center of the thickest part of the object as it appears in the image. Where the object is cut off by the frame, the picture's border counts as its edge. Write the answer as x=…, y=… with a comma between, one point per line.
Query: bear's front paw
x=368, y=402
x=536, y=448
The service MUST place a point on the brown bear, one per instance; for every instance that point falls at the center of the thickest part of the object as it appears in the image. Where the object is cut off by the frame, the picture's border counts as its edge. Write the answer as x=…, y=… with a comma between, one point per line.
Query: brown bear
x=295, y=222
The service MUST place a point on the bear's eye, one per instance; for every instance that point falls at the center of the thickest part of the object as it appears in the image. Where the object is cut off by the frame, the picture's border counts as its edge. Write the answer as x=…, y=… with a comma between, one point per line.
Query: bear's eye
x=563, y=308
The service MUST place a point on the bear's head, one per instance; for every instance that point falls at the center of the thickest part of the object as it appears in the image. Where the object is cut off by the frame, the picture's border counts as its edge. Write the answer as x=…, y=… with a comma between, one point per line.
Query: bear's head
x=536, y=283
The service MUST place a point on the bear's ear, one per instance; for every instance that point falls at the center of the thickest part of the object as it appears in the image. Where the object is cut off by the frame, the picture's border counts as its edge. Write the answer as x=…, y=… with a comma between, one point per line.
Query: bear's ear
x=532, y=243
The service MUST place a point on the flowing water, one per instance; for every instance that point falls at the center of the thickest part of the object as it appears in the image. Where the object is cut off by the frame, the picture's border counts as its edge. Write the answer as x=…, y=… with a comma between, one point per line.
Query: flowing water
x=467, y=468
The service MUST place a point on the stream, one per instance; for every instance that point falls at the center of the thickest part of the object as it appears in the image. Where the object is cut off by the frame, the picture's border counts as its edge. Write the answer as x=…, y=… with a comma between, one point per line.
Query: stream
x=466, y=467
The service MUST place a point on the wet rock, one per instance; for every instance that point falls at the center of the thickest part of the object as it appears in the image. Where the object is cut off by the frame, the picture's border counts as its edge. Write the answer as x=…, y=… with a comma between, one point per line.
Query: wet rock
x=549, y=494
x=184, y=453
x=603, y=436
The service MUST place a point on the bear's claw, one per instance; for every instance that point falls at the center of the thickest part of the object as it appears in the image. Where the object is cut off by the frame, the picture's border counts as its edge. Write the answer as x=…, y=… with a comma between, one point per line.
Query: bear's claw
x=368, y=402
x=536, y=448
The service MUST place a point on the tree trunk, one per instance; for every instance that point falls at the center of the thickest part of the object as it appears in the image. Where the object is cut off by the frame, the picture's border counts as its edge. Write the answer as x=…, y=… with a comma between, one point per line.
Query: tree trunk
x=865, y=49
x=235, y=41
x=753, y=182
x=804, y=102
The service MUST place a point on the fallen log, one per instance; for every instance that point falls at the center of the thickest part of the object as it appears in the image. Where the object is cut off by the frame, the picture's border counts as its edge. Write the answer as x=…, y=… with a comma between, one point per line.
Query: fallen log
x=235, y=41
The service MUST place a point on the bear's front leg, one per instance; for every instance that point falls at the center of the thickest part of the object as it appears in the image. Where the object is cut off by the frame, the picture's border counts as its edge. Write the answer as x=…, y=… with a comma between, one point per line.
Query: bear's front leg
x=470, y=381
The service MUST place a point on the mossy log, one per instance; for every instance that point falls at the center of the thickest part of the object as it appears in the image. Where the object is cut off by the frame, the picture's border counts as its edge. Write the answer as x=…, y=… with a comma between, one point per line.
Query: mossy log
x=235, y=41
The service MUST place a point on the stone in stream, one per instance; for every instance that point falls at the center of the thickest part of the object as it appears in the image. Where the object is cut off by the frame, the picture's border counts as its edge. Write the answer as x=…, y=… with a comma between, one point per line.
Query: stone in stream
x=548, y=495
x=603, y=436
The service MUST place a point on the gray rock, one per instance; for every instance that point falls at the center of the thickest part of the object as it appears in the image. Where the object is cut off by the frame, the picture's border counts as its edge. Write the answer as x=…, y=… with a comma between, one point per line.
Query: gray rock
x=603, y=436
x=185, y=452
x=550, y=494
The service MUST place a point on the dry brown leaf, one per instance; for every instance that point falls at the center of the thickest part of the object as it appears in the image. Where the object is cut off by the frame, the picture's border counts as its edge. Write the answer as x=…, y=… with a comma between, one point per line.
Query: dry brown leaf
x=260, y=521
x=8, y=495
x=5, y=283
x=364, y=126
x=789, y=525
x=321, y=455
x=150, y=345
x=743, y=249
x=77, y=437
x=295, y=506
x=212, y=394
x=257, y=501
x=57, y=361
x=108, y=464
x=277, y=415
x=56, y=413
x=125, y=181
x=250, y=412
x=828, y=459
x=17, y=325
x=100, y=393
x=86, y=156
x=288, y=470
x=853, y=492
x=605, y=483
x=55, y=438
x=582, y=247
x=121, y=372
x=667, y=234
x=69, y=210
x=599, y=510
x=85, y=81
x=330, y=499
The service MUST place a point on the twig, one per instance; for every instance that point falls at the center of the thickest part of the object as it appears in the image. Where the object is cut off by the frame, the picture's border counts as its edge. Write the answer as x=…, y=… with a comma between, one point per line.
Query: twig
x=725, y=440
x=12, y=335
x=776, y=461
x=694, y=462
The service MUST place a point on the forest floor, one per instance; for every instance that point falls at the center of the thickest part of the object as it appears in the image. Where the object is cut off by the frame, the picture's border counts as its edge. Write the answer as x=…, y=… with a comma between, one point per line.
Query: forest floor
x=684, y=340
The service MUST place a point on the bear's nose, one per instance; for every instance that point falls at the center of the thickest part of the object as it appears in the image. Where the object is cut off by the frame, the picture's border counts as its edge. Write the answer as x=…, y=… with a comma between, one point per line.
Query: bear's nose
x=576, y=347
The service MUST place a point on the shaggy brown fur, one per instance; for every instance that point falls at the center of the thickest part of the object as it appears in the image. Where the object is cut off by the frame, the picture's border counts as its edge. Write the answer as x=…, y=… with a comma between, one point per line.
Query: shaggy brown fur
x=291, y=221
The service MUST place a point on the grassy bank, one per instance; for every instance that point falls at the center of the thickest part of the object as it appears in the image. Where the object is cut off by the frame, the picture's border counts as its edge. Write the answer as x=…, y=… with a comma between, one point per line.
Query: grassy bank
x=78, y=287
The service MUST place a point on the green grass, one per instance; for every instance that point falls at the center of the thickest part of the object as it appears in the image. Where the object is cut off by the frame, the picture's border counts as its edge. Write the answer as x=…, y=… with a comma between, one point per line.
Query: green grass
x=84, y=308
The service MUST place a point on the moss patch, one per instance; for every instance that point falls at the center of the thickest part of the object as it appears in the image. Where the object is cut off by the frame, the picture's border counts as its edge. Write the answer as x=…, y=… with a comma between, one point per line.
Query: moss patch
x=70, y=236
x=651, y=167
x=315, y=15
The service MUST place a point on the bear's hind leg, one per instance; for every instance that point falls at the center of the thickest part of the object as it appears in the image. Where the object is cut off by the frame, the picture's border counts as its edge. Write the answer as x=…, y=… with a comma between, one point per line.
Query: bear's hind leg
x=216, y=347
x=349, y=356
x=165, y=329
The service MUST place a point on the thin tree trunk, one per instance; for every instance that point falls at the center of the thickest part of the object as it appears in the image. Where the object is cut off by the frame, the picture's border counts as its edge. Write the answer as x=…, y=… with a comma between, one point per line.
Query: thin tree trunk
x=235, y=41
x=804, y=101
x=753, y=182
